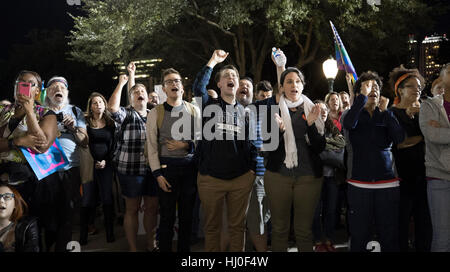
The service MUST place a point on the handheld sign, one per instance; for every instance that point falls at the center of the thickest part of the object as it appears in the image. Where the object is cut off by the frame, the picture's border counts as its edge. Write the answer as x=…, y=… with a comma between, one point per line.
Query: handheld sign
x=45, y=164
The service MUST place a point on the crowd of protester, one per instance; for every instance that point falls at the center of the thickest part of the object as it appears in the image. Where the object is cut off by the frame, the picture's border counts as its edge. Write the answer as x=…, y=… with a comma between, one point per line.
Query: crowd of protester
x=386, y=166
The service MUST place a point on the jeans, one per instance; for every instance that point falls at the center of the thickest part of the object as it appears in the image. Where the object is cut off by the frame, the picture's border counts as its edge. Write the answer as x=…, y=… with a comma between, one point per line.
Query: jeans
x=439, y=203
x=326, y=207
x=373, y=210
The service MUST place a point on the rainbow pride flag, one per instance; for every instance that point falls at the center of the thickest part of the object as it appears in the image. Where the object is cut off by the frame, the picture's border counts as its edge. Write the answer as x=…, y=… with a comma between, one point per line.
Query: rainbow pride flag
x=342, y=58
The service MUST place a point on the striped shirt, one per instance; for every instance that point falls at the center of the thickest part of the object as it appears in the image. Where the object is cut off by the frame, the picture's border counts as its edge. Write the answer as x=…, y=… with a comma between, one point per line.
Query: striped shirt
x=130, y=157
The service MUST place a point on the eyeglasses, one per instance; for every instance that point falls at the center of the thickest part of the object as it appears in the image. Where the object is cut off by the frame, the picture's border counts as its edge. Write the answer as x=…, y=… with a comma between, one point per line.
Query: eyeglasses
x=7, y=196
x=413, y=87
x=171, y=81
x=33, y=84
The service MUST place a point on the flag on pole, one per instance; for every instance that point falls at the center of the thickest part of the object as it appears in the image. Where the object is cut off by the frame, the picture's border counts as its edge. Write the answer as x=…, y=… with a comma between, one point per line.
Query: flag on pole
x=342, y=58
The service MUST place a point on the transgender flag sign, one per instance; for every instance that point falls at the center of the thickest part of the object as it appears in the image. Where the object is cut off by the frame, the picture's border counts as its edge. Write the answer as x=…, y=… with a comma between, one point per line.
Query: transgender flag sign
x=44, y=164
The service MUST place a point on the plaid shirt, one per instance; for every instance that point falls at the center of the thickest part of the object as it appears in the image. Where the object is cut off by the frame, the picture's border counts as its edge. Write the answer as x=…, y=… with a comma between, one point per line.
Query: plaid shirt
x=130, y=156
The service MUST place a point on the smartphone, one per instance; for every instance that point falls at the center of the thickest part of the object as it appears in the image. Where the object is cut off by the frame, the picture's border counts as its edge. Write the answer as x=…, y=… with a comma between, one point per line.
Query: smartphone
x=25, y=88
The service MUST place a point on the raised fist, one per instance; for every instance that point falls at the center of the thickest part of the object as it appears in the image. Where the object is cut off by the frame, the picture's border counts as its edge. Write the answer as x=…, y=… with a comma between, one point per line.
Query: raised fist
x=384, y=101
x=366, y=87
x=219, y=56
x=123, y=79
x=131, y=68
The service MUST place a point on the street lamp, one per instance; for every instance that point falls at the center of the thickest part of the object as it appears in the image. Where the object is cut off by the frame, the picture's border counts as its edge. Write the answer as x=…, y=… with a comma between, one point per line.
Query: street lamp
x=330, y=70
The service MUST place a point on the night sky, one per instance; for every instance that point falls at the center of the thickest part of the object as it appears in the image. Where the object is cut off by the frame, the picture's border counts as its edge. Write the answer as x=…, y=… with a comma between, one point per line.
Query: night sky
x=20, y=16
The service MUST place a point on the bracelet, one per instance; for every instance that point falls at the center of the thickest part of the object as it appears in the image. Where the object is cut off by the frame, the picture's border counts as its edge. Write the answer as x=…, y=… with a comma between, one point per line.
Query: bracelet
x=11, y=144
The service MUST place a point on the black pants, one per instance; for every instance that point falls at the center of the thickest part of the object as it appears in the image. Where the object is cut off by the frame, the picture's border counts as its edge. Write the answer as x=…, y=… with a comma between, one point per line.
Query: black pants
x=101, y=188
x=414, y=203
x=373, y=211
x=59, y=197
x=323, y=226
x=183, y=190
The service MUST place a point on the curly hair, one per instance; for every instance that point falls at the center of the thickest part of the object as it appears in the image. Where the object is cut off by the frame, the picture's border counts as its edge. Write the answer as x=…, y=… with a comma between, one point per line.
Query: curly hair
x=369, y=75
x=401, y=74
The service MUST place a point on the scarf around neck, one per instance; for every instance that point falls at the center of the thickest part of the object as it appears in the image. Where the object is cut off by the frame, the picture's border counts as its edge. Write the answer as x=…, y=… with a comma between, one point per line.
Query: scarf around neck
x=291, y=159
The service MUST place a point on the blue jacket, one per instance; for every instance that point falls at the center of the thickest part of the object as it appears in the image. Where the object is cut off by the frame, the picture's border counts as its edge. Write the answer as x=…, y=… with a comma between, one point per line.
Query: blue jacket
x=371, y=139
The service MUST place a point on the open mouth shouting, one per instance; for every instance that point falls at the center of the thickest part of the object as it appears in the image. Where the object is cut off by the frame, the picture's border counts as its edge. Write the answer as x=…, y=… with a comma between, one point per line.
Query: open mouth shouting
x=373, y=95
x=58, y=95
x=244, y=92
x=230, y=84
x=294, y=92
x=140, y=98
x=174, y=90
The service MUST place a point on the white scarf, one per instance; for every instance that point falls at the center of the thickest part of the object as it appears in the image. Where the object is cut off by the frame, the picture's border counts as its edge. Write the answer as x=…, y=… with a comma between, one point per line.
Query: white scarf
x=291, y=159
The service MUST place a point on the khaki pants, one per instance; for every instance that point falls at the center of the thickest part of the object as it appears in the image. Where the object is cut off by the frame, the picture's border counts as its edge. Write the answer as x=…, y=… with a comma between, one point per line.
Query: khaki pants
x=283, y=192
x=236, y=192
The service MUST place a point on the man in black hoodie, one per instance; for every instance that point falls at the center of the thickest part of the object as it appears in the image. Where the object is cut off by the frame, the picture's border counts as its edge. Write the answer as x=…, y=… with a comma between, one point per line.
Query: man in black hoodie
x=227, y=158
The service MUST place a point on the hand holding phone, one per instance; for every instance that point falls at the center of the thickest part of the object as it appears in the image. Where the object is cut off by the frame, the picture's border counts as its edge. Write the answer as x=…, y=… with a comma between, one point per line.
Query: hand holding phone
x=25, y=88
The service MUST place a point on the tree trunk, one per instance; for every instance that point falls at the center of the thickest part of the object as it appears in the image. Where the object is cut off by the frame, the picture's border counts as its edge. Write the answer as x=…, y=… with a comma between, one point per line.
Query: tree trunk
x=241, y=48
x=306, y=54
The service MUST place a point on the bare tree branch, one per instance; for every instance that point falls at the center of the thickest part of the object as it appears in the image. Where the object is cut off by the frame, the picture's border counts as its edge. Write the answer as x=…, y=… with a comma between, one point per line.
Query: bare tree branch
x=214, y=24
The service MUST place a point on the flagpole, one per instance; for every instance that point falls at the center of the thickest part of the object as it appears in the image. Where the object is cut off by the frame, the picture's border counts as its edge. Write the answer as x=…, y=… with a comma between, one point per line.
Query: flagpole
x=339, y=48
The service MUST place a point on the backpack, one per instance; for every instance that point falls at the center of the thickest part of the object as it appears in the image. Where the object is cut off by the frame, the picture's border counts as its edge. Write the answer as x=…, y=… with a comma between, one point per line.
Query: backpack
x=160, y=117
x=160, y=112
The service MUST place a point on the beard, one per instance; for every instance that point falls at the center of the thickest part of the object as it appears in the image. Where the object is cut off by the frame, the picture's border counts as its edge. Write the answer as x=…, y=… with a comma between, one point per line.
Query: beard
x=245, y=101
x=53, y=102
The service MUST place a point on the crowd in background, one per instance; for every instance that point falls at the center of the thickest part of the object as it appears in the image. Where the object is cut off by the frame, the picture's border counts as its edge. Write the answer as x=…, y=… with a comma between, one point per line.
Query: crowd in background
x=383, y=166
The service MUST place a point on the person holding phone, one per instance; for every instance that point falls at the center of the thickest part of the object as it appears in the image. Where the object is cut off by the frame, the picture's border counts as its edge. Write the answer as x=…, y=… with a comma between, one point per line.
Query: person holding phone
x=24, y=123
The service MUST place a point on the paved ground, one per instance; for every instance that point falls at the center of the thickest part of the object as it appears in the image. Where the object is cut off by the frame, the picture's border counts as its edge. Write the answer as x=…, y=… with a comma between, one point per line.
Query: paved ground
x=97, y=243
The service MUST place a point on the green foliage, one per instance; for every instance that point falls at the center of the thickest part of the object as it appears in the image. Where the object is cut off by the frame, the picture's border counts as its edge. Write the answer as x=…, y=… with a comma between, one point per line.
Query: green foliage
x=117, y=29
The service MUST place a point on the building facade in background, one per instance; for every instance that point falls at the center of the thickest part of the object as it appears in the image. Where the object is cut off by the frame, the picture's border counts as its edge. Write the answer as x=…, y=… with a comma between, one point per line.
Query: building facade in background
x=429, y=55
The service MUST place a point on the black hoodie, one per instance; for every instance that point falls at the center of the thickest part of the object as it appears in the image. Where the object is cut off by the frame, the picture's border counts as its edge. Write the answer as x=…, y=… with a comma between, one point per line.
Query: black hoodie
x=222, y=158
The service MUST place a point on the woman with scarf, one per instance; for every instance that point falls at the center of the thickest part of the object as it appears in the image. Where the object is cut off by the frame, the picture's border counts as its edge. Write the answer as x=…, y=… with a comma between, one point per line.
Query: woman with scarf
x=294, y=169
